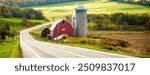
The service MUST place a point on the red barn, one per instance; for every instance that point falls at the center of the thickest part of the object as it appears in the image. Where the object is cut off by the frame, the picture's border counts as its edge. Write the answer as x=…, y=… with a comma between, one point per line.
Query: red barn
x=61, y=27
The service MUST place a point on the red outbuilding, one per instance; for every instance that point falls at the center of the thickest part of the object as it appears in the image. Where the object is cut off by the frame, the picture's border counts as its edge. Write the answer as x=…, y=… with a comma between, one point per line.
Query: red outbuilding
x=45, y=32
x=61, y=27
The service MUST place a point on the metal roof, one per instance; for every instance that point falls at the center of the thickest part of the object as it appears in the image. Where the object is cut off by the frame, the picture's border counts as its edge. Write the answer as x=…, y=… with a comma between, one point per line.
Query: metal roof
x=81, y=7
x=55, y=24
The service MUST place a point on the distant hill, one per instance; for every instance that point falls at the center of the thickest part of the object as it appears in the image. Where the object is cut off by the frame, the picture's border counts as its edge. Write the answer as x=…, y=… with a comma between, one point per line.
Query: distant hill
x=27, y=3
x=141, y=2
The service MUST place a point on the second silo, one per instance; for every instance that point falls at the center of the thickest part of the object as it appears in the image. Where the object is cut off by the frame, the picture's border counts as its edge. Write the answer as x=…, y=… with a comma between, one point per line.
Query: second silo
x=81, y=21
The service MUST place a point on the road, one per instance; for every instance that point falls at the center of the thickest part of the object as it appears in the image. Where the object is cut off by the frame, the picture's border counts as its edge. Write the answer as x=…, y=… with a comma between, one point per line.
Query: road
x=31, y=48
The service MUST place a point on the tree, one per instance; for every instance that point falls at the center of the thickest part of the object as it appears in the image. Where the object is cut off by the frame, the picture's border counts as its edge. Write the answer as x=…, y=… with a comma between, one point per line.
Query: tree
x=16, y=12
x=4, y=30
x=7, y=26
x=32, y=16
x=3, y=35
x=147, y=24
x=26, y=22
x=6, y=11
x=105, y=24
x=30, y=13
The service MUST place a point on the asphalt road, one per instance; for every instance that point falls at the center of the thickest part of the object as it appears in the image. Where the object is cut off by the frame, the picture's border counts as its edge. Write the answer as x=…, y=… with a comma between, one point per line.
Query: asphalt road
x=31, y=48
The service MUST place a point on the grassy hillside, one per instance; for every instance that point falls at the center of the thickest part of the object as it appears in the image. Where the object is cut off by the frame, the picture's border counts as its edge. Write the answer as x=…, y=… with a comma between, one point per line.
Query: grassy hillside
x=17, y=23
x=10, y=47
x=27, y=3
x=96, y=7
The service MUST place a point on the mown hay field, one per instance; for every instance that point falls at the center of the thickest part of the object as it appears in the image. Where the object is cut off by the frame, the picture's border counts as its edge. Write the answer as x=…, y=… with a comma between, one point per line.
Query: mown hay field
x=98, y=7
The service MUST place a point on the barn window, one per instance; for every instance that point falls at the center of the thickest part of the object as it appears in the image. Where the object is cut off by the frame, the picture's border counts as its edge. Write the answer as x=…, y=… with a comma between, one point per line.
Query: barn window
x=63, y=21
x=63, y=29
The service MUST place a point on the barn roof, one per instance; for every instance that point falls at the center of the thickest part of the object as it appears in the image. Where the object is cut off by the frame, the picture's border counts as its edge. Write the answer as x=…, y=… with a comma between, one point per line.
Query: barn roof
x=55, y=24
x=45, y=28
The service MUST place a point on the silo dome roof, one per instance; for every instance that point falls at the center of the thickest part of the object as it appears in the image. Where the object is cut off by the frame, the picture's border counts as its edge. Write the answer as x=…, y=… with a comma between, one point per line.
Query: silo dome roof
x=81, y=7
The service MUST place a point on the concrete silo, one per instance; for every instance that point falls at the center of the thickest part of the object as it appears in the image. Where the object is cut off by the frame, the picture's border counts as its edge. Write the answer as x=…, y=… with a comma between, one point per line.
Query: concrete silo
x=81, y=21
x=74, y=24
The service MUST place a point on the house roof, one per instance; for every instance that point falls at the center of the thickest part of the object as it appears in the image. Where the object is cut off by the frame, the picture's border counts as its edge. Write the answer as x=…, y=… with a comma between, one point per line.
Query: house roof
x=55, y=24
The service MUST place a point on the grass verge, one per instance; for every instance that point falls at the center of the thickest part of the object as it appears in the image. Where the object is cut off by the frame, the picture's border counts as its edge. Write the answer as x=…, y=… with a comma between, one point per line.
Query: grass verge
x=100, y=48
x=10, y=48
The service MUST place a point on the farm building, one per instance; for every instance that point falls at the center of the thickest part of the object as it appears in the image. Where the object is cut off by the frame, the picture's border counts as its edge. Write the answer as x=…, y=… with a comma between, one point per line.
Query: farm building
x=45, y=32
x=79, y=21
x=61, y=27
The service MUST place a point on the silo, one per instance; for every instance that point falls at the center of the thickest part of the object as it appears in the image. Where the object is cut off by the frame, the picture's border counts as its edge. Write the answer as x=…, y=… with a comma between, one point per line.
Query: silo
x=74, y=23
x=81, y=21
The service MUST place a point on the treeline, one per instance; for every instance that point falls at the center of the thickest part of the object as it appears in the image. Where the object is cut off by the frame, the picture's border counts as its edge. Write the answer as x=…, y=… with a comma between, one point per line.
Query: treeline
x=141, y=2
x=117, y=21
x=120, y=21
x=27, y=3
x=13, y=11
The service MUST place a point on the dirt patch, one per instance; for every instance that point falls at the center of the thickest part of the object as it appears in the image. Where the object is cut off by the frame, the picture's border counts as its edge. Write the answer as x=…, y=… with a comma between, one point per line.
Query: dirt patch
x=140, y=44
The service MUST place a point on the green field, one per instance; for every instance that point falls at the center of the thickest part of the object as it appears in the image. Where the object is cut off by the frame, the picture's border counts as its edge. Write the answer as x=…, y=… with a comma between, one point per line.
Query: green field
x=10, y=48
x=16, y=22
x=97, y=7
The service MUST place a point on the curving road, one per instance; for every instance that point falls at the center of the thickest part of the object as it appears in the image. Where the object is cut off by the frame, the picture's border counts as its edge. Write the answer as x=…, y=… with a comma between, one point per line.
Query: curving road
x=32, y=48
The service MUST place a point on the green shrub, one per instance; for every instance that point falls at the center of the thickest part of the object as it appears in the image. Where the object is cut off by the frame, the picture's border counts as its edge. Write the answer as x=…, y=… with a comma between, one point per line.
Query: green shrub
x=83, y=41
x=50, y=37
x=43, y=35
x=65, y=36
x=123, y=43
x=110, y=48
